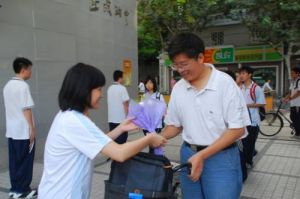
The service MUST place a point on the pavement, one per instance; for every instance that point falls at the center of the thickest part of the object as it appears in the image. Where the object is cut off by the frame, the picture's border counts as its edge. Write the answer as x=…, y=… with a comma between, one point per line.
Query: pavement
x=276, y=172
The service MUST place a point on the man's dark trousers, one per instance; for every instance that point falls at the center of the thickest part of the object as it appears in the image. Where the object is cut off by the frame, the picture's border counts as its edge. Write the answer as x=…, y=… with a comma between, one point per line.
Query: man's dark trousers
x=20, y=165
x=295, y=117
x=122, y=138
x=249, y=143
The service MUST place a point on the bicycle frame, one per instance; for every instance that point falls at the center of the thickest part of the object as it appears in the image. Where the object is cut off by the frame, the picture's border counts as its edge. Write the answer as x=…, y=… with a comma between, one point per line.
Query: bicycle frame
x=278, y=112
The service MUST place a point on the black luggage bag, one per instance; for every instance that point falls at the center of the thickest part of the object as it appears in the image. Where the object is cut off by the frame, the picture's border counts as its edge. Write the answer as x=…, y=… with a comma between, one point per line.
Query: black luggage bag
x=147, y=174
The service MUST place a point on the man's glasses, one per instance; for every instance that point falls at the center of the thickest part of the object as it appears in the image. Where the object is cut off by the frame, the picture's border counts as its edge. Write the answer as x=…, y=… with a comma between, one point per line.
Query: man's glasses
x=181, y=66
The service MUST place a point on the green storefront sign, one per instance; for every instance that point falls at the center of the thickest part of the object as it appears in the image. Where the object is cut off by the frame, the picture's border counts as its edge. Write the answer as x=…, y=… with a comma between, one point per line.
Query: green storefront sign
x=257, y=54
x=219, y=55
x=224, y=55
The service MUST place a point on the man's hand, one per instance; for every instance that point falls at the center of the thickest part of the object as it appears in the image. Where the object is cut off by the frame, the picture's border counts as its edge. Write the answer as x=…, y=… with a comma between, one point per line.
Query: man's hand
x=197, y=162
x=156, y=140
x=32, y=137
x=285, y=100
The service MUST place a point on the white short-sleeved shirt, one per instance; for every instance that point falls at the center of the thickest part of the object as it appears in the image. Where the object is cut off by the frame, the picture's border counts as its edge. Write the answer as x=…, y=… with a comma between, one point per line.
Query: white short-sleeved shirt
x=141, y=87
x=155, y=95
x=17, y=98
x=72, y=144
x=260, y=99
x=116, y=95
x=266, y=87
x=295, y=88
x=206, y=114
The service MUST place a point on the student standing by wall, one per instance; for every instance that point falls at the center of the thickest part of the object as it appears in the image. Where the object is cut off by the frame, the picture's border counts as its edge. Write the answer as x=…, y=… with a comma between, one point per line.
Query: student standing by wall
x=20, y=129
x=118, y=102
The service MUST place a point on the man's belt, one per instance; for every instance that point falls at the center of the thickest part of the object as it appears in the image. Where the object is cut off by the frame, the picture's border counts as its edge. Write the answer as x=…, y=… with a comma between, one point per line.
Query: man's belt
x=195, y=147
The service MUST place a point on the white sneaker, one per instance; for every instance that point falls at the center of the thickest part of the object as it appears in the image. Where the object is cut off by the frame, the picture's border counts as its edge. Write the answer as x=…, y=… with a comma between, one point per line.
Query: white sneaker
x=17, y=195
x=27, y=195
x=31, y=194
x=11, y=194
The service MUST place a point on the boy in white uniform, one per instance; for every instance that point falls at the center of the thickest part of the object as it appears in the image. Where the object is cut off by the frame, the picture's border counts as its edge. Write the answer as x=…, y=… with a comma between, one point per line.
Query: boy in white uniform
x=20, y=129
x=117, y=102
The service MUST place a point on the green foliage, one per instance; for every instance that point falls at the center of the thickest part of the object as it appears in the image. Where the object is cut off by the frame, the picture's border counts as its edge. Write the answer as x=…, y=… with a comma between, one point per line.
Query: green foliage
x=274, y=21
x=159, y=20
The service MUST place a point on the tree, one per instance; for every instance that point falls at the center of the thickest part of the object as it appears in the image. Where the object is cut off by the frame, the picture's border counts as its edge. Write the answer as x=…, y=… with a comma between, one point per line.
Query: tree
x=276, y=22
x=159, y=20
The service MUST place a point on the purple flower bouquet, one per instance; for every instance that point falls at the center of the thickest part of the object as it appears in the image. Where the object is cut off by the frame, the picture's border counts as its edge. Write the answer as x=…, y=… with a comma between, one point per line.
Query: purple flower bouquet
x=148, y=115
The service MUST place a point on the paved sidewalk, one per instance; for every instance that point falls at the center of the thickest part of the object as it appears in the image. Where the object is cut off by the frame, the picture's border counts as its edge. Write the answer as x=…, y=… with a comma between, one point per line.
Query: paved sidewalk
x=276, y=173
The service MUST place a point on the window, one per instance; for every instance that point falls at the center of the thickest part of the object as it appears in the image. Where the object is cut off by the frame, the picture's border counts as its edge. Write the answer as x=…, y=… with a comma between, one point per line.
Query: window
x=217, y=38
x=256, y=35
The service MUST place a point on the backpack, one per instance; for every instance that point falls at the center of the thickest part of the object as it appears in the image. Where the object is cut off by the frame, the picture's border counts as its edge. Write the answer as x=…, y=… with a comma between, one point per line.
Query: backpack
x=148, y=174
x=157, y=95
x=262, y=110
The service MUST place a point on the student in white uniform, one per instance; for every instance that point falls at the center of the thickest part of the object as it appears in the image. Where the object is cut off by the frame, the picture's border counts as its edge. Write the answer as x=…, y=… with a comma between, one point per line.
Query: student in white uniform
x=74, y=140
x=20, y=130
x=117, y=104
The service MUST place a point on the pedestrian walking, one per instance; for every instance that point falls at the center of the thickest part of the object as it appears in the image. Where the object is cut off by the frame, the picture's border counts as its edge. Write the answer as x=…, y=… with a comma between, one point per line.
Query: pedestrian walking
x=20, y=129
x=294, y=98
x=255, y=99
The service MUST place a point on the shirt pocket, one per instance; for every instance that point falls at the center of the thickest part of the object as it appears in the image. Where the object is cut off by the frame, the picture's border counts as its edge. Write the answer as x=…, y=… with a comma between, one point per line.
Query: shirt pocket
x=214, y=119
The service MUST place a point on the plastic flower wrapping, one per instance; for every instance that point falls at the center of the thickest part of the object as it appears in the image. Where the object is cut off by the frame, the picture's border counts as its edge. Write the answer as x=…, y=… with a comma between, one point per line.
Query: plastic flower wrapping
x=148, y=115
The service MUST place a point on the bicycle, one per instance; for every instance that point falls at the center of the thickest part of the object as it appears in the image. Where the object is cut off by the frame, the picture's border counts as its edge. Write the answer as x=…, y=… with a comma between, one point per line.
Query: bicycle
x=273, y=122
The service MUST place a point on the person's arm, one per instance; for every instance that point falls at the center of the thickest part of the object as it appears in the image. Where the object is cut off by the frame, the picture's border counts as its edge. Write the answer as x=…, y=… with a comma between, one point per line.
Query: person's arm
x=125, y=126
x=287, y=97
x=294, y=96
x=260, y=99
x=170, y=131
x=125, y=106
x=197, y=160
x=255, y=105
x=29, y=118
x=121, y=152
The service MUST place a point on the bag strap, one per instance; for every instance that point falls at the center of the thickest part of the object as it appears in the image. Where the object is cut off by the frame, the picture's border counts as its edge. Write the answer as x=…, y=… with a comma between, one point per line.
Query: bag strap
x=157, y=95
x=252, y=92
x=297, y=82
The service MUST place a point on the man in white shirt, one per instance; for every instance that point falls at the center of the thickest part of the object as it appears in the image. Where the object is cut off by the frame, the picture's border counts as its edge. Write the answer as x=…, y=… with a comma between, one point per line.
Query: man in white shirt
x=294, y=98
x=117, y=101
x=205, y=105
x=141, y=87
x=20, y=130
x=267, y=87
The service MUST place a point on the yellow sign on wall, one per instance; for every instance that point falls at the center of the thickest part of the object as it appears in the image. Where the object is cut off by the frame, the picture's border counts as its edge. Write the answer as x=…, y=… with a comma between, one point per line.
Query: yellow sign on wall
x=127, y=72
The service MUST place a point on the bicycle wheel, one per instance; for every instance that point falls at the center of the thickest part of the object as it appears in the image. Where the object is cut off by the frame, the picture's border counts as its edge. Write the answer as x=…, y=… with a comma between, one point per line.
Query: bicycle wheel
x=271, y=125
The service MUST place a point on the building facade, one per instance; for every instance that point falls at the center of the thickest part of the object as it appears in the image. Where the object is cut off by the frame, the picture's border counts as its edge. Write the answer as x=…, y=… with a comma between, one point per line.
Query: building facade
x=230, y=45
x=56, y=34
